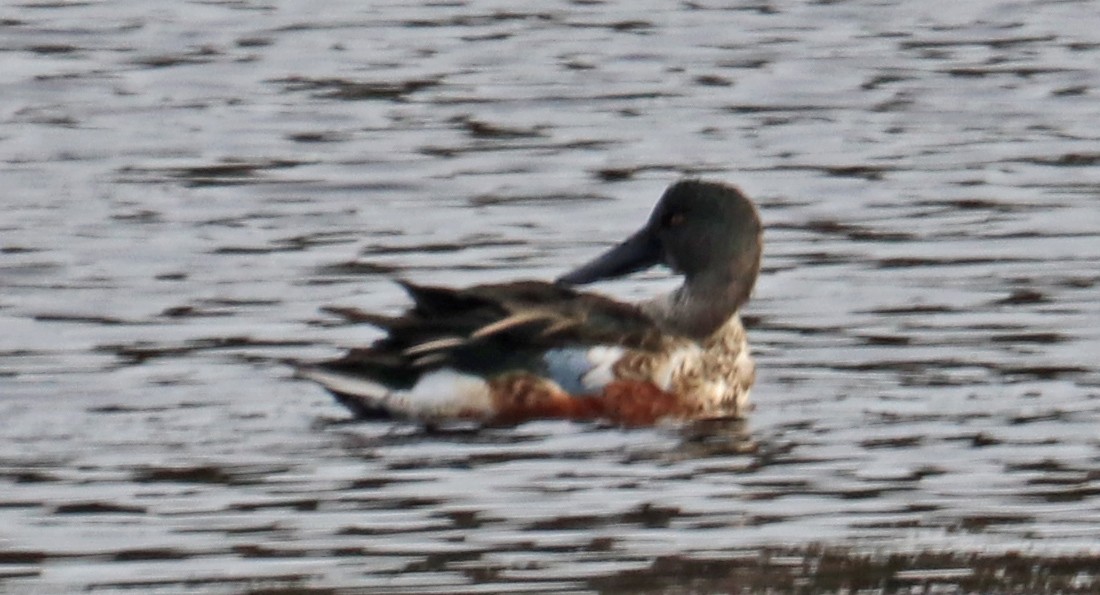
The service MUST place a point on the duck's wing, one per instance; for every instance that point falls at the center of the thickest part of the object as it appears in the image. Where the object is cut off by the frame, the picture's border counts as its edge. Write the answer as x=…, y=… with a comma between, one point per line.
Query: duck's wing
x=451, y=341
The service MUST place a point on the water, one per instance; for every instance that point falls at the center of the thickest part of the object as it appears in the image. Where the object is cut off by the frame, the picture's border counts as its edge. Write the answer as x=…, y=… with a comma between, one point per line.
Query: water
x=186, y=185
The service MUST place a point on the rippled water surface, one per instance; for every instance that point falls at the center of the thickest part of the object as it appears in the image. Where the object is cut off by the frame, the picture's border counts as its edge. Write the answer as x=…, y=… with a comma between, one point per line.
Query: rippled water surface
x=186, y=184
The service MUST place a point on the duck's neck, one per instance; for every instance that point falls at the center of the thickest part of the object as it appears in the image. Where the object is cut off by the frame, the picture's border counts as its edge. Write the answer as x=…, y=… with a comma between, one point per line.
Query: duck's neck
x=700, y=306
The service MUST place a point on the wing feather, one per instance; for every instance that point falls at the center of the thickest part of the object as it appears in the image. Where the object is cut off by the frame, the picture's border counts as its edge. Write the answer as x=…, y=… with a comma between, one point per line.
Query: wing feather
x=486, y=330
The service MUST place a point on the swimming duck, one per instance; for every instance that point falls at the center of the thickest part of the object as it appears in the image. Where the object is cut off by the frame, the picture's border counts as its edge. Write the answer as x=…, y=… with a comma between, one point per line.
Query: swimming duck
x=502, y=354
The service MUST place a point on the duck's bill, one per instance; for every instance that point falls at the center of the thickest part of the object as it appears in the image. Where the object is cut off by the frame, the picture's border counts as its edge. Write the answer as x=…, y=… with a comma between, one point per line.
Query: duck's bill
x=639, y=252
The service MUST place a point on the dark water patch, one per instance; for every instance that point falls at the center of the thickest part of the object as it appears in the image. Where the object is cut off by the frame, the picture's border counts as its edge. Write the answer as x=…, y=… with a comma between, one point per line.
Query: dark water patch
x=252, y=529
x=1071, y=91
x=1024, y=72
x=226, y=173
x=803, y=330
x=885, y=340
x=18, y=250
x=248, y=584
x=881, y=80
x=48, y=5
x=250, y=250
x=202, y=474
x=485, y=130
x=16, y=504
x=289, y=504
x=352, y=90
x=441, y=562
x=1035, y=338
x=712, y=80
x=22, y=556
x=27, y=476
x=918, y=309
x=467, y=243
x=977, y=439
x=1038, y=417
x=253, y=590
x=106, y=508
x=318, y=137
x=124, y=409
x=1066, y=160
x=905, y=262
x=193, y=312
x=390, y=530
x=629, y=26
x=818, y=258
x=796, y=110
x=744, y=63
x=920, y=367
x=626, y=173
x=148, y=555
x=478, y=20
x=1045, y=465
x=1040, y=372
x=829, y=570
x=355, y=268
x=53, y=48
x=533, y=199
x=865, y=172
x=618, y=174
x=499, y=36
x=980, y=204
x=508, y=147
x=992, y=41
x=81, y=319
x=142, y=351
x=197, y=56
x=1035, y=234
x=1065, y=494
x=47, y=117
x=893, y=442
x=140, y=216
x=263, y=551
x=254, y=42
x=985, y=522
x=850, y=231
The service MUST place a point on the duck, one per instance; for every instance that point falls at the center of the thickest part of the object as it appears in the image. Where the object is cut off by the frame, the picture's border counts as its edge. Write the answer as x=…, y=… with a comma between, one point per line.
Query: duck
x=503, y=354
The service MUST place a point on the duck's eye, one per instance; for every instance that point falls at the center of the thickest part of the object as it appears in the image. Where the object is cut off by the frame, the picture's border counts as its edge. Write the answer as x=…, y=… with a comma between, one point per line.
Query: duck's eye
x=673, y=220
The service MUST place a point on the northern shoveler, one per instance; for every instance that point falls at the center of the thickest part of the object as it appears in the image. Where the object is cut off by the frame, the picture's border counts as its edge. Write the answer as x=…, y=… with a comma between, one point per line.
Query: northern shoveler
x=513, y=352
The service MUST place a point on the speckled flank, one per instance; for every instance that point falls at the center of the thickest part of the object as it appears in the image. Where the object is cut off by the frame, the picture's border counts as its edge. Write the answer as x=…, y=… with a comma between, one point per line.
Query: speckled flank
x=713, y=380
x=522, y=397
x=684, y=381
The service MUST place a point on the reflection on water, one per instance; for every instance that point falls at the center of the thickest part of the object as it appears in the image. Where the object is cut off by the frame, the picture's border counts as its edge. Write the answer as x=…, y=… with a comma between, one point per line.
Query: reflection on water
x=186, y=189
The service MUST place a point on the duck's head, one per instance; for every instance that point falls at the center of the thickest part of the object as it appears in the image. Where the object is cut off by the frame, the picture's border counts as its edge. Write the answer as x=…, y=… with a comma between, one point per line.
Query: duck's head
x=708, y=232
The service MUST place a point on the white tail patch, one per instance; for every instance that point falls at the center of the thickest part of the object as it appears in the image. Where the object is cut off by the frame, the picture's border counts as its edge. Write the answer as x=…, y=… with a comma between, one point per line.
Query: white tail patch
x=445, y=393
x=440, y=394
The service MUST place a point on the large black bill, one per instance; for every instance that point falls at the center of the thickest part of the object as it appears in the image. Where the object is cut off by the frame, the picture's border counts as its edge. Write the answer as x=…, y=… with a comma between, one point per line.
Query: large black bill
x=640, y=251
